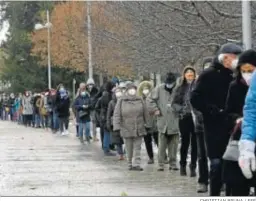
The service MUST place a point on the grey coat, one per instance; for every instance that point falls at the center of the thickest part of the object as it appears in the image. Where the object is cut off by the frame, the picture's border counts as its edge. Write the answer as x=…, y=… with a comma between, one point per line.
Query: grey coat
x=151, y=120
x=115, y=135
x=160, y=99
x=27, y=105
x=130, y=117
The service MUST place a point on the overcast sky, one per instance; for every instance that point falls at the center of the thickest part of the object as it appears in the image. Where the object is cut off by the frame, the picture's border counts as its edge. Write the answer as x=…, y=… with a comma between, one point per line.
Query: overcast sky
x=3, y=31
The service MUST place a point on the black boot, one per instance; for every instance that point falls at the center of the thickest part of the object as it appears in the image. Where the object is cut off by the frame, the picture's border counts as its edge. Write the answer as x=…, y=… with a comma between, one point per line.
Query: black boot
x=192, y=171
x=183, y=171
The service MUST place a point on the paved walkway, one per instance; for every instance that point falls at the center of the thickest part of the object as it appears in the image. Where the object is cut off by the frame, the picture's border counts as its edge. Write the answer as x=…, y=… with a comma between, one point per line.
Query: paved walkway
x=35, y=162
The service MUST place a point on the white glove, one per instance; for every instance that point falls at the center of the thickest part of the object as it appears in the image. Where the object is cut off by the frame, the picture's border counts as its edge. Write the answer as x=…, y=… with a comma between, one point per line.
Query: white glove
x=247, y=161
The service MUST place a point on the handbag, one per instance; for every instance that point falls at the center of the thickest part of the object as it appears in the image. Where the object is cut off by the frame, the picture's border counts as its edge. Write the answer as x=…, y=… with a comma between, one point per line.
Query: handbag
x=43, y=111
x=82, y=113
x=232, y=151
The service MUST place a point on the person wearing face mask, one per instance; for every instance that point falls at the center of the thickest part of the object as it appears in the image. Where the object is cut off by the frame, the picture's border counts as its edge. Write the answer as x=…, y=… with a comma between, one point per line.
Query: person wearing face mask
x=83, y=106
x=159, y=103
x=102, y=107
x=62, y=107
x=183, y=110
x=209, y=97
x=19, y=108
x=130, y=118
x=11, y=102
x=116, y=138
x=93, y=91
x=36, y=110
x=236, y=182
x=27, y=109
x=5, y=106
x=144, y=90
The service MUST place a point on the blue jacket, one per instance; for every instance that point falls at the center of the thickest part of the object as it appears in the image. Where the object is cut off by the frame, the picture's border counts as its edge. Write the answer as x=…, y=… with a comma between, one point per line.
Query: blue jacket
x=249, y=121
x=78, y=104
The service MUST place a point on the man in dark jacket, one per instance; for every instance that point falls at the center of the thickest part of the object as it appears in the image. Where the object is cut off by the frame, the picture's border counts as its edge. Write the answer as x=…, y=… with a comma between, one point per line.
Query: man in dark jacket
x=103, y=107
x=209, y=97
x=11, y=105
x=201, y=147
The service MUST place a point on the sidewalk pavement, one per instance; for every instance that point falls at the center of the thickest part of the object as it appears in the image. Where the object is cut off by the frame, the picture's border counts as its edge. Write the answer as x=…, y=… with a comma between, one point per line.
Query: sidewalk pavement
x=35, y=162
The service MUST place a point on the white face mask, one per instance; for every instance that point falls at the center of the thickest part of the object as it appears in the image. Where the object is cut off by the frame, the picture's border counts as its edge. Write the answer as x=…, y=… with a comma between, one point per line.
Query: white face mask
x=169, y=86
x=247, y=77
x=145, y=91
x=132, y=92
x=234, y=63
x=119, y=94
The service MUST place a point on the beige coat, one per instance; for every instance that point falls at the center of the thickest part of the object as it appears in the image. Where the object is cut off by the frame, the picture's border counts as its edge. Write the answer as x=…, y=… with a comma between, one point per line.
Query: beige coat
x=161, y=100
x=130, y=117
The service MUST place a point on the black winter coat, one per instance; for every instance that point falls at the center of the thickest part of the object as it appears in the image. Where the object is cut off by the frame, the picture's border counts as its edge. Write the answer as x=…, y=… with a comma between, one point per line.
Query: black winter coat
x=209, y=97
x=197, y=116
x=93, y=96
x=234, y=108
x=105, y=99
x=62, y=106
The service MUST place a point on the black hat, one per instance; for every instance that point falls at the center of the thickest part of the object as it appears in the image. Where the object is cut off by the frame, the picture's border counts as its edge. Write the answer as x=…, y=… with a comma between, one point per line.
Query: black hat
x=230, y=48
x=248, y=56
x=170, y=78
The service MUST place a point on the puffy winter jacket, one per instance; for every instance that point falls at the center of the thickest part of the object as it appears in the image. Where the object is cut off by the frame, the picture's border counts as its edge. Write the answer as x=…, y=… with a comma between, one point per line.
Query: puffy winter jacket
x=249, y=125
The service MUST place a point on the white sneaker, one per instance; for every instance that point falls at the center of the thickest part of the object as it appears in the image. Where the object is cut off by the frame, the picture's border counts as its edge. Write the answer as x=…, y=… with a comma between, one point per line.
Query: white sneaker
x=63, y=133
x=66, y=132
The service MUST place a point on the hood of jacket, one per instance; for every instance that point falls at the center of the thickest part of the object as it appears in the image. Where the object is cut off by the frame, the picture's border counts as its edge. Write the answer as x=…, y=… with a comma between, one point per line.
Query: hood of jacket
x=143, y=85
x=109, y=86
x=181, y=80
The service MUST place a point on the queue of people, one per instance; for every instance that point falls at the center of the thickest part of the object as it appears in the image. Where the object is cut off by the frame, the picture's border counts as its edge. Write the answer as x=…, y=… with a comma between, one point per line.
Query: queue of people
x=210, y=112
x=48, y=109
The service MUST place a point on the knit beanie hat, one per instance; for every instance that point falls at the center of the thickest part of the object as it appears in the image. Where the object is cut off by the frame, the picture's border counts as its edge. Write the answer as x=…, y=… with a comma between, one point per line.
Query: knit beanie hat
x=247, y=57
x=170, y=78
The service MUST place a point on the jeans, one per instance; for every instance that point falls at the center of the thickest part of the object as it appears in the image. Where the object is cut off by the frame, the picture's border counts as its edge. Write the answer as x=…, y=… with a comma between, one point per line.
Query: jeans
x=44, y=121
x=188, y=137
x=119, y=148
x=215, y=176
x=5, y=114
x=55, y=120
x=20, y=118
x=106, y=141
x=84, y=128
x=50, y=120
x=202, y=159
x=12, y=112
x=37, y=120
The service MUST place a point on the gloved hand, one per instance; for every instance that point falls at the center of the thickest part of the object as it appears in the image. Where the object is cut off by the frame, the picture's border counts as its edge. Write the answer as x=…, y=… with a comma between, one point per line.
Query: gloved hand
x=247, y=161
